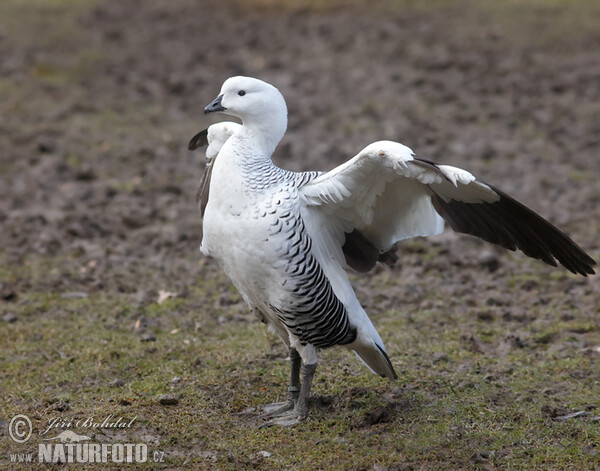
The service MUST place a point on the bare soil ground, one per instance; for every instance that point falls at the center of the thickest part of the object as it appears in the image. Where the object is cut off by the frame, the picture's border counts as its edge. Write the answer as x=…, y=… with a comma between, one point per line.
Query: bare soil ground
x=98, y=100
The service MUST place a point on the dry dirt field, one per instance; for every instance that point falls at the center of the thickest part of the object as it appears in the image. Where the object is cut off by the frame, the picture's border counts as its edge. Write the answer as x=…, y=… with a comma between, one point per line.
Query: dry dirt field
x=498, y=355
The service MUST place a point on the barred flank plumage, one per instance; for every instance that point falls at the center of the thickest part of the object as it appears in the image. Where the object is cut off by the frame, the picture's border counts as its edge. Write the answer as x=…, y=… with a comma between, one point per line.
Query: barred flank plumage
x=312, y=311
x=314, y=314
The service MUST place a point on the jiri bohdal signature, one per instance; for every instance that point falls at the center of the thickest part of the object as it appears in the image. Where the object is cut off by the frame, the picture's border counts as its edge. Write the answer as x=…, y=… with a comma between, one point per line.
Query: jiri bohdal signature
x=89, y=422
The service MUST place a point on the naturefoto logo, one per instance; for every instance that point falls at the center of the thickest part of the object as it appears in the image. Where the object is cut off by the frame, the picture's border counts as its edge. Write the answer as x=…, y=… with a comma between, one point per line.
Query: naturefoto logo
x=68, y=446
x=77, y=452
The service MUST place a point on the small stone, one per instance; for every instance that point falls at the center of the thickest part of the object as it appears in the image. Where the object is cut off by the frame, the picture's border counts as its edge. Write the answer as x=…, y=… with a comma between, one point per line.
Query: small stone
x=481, y=460
x=264, y=454
x=62, y=406
x=46, y=145
x=9, y=318
x=486, y=316
x=489, y=260
x=592, y=450
x=147, y=338
x=494, y=302
x=117, y=383
x=164, y=295
x=7, y=293
x=450, y=411
x=208, y=455
x=85, y=175
x=439, y=356
x=529, y=285
x=168, y=399
x=516, y=341
x=567, y=316
x=141, y=297
x=475, y=344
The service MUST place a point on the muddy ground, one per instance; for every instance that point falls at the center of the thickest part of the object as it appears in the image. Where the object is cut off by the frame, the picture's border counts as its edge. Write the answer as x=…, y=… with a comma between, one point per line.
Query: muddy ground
x=98, y=100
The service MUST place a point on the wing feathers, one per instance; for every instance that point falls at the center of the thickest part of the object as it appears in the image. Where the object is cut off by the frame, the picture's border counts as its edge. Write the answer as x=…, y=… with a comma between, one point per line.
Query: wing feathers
x=386, y=194
x=362, y=255
x=199, y=140
x=512, y=225
x=204, y=187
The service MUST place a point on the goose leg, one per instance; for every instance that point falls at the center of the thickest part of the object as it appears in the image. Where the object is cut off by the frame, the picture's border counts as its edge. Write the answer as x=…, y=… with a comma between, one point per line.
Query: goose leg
x=281, y=408
x=300, y=411
x=308, y=373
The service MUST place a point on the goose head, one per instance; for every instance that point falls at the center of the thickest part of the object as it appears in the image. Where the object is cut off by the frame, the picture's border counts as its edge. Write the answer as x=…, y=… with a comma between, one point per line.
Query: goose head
x=259, y=105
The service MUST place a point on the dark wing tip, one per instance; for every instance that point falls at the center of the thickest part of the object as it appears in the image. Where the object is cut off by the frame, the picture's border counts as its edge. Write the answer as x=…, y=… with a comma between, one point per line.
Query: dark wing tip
x=199, y=140
x=512, y=225
x=389, y=364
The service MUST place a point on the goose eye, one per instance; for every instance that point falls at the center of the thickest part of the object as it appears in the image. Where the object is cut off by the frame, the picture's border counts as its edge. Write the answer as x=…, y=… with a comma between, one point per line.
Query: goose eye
x=241, y=93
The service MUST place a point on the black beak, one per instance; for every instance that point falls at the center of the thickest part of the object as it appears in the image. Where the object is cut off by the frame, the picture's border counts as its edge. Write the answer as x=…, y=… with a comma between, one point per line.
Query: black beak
x=215, y=105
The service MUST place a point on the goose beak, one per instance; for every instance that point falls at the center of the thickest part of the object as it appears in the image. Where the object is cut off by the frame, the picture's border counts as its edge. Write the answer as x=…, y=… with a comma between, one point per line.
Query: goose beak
x=215, y=105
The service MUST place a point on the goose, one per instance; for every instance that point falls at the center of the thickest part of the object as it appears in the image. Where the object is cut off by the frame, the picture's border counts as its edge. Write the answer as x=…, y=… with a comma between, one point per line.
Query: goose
x=286, y=239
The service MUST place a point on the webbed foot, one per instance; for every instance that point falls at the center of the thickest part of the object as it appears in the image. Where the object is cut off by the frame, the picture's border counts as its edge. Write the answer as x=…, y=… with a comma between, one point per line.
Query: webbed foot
x=286, y=420
x=277, y=409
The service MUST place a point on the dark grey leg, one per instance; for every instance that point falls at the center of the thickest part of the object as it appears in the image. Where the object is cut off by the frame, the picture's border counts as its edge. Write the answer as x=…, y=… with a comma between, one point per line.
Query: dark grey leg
x=281, y=408
x=294, y=387
x=308, y=373
x=300, y=411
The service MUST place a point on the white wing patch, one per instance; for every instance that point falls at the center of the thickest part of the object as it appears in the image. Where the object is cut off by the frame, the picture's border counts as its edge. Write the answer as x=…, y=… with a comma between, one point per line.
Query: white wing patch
x=456, y=175
x=464, y=188
x=385, y=193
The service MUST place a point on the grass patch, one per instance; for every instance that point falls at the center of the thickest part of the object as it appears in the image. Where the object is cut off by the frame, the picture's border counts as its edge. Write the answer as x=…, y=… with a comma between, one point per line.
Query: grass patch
x=452, y=402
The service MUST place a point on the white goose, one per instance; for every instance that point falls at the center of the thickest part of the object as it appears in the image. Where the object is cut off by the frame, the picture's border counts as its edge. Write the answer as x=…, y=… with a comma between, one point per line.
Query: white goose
x=285, y=238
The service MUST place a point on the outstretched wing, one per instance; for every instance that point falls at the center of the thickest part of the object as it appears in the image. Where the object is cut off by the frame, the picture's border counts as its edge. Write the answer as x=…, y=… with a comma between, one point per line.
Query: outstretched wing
x=386, y=194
